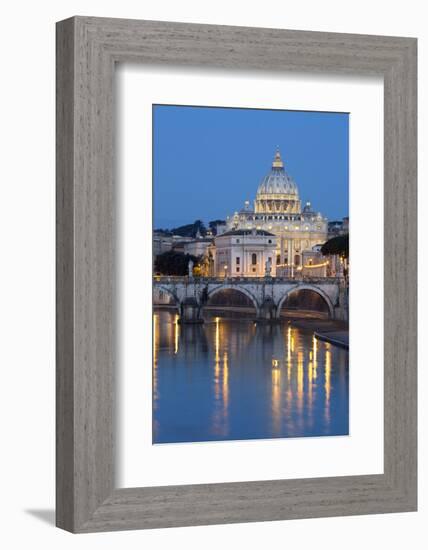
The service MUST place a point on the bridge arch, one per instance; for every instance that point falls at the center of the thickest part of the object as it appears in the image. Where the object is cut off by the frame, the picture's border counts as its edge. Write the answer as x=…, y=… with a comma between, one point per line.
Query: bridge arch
x=170, y=293
x=313, y=288
x=237, y=288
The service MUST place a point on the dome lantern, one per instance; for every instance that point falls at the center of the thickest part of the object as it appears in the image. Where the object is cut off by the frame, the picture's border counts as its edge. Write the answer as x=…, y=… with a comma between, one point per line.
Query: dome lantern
x=277, y=161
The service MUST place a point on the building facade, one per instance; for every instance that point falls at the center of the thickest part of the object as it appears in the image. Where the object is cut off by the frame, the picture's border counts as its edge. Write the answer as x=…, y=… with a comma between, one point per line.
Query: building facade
x=277, y=210
x=245, y=253
x=197, y=247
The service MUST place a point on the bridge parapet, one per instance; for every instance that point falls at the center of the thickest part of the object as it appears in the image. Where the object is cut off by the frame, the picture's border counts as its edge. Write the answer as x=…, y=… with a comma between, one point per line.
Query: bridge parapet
x=172, y=279
x=191, y=294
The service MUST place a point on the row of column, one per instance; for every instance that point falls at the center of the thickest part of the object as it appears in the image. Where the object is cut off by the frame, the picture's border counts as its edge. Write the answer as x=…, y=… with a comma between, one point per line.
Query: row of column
x=287, y=250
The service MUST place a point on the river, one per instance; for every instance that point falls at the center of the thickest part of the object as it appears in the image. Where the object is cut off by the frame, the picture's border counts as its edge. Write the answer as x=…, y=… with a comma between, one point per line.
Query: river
x=233, y=379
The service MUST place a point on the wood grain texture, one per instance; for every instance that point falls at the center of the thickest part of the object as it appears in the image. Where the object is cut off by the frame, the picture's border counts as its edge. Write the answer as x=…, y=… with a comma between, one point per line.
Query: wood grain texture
x=87, y=50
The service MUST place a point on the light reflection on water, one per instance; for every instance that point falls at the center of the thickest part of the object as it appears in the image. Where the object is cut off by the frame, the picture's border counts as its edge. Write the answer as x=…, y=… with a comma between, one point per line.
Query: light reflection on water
x=233, y=379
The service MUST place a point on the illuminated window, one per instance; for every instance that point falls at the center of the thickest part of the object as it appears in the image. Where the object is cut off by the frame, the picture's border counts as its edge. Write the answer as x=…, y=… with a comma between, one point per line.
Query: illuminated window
x=278, y=259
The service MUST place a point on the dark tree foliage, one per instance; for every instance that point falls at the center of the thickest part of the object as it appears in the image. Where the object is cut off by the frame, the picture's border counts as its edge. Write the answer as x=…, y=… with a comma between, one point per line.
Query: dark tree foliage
x=213, y=225
x=174, y=263
x=190, y=230
x=336, y=246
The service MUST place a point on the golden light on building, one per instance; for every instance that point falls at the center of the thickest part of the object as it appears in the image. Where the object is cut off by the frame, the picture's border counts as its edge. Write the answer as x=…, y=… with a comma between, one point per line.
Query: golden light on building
x=277, y=209
x=314, y=266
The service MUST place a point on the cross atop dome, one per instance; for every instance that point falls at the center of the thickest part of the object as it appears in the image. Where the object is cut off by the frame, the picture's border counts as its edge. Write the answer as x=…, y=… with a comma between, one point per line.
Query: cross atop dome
x=277, y=161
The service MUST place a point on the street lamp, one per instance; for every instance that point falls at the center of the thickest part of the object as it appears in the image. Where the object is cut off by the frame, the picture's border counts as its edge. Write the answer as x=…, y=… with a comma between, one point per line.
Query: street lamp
x=225, y=271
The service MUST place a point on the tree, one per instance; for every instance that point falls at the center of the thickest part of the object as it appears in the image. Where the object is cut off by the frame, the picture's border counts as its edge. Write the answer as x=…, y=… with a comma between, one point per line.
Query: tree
x=338, y=246
x=213, y=225
x=188, y=230
x=174, y=263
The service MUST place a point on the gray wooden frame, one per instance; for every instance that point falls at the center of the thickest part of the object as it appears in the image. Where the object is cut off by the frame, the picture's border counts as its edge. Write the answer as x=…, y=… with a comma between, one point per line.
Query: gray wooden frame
x=87, y=50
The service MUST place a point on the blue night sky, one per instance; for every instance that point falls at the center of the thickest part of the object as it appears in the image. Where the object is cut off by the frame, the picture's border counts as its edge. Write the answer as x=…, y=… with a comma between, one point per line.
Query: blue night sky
x=208, y=161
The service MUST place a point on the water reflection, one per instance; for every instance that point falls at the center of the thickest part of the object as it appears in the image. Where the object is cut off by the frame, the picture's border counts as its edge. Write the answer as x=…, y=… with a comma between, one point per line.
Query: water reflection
x=233, y=379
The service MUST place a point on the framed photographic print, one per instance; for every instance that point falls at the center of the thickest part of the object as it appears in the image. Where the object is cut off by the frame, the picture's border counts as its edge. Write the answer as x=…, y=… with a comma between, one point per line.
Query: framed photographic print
x=236, y=274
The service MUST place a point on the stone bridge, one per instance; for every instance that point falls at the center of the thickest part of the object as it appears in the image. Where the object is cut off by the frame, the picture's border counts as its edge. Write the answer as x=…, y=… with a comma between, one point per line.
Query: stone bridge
x=191, y=294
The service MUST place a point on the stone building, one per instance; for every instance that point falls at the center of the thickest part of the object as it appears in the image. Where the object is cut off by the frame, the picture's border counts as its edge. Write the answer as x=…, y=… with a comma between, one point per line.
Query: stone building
x=277, y=210
x=197, y=247
x=314, y=264
x=161, y=243
x=245, y=253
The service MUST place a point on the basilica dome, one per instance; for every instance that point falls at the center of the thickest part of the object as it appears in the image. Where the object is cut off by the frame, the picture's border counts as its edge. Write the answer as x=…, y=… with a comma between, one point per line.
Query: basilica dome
x=277, y=181
x=277, y=192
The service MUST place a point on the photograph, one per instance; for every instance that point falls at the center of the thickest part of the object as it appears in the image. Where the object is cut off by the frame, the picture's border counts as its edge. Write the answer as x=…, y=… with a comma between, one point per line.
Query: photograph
x=250, y=274
x=181, y=295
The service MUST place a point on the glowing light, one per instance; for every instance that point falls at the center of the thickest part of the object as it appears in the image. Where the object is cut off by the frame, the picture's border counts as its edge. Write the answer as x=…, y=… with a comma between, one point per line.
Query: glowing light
x=327, y=384
x=217, y=339
x=276, y=399
x=313, y=266
x=300, y=380
x=314, y=355
x=275, y=363
x=310, y=392
x=221, y=385
x=225, y=383
x=289, y=339
x=176, y=334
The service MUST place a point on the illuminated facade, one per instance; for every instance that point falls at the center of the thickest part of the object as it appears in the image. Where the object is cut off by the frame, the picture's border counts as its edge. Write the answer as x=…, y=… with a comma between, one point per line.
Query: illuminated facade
x=245, y=253
x=277, y=210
